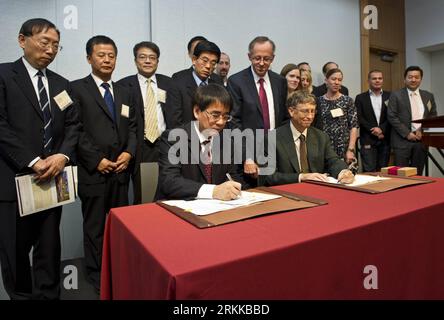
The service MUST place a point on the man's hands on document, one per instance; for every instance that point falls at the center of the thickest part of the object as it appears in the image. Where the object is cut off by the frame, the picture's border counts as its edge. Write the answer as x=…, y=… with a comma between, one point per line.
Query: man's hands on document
x=313, y=176
x=346, y=176
x=50, y=167
x=228, y=190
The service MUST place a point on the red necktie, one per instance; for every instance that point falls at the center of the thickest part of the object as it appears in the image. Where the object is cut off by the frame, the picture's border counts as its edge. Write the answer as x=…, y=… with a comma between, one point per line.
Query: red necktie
x=264, y=104
x=207, y=165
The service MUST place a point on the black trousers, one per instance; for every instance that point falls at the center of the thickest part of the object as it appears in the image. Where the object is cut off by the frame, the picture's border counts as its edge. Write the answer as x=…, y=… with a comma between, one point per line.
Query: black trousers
x=149, y=153
x=413, y=155
x=376, y=156
x=97, y=200
x=17, y=236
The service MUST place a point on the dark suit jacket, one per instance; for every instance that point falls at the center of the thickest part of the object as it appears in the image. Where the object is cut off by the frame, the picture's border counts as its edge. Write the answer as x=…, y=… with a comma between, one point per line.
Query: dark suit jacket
x=322, y=89
x=321, y=157
x=399, y=114
x=180, y=97
x=132, y=83
x=100, y=136
x=183, y=180
x=367, y=118
x=21, y=124
x=247, y=109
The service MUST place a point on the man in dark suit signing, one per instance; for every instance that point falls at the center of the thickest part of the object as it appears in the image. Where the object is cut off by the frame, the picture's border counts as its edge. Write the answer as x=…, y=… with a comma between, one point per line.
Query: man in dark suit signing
x=407, y=104
x=304, y=152
x=149, y=91
x=192, y=163
x=184, y=84
x=107, y=143
x=374, y=127
x=38, y=134
x=259, y=94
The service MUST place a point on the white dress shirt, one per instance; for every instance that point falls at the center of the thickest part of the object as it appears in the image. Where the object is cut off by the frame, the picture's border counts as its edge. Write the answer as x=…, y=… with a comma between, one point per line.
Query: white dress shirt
x=415, y=99
x=376, y=100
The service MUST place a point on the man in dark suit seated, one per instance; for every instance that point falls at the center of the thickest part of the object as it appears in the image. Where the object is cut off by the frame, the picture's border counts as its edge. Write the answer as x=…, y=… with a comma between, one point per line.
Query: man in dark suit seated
x=106, y=146
x=407, y=104
x=149, y=91
x=192, y=163
x=39, y=131
x=322, y=89
x=303, y=152
x=184, y=84
x=374, y=127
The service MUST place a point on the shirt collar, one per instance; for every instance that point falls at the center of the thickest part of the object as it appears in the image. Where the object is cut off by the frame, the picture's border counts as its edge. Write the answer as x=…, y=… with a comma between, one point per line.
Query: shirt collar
x=256, y=77
x=31, y=70
x=296, y=133
x=197, y=79
x=373, y=94
x=143, y=79
x=410, y=91
x=99, y=81
x=202, y=137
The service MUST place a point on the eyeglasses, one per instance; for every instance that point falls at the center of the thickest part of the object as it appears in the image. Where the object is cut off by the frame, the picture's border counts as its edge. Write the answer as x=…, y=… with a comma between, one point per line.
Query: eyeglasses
x=206, y=61
x=306, y=111
x=45, y=45
x=258, y=59
x=143, y=57
x=216, y=116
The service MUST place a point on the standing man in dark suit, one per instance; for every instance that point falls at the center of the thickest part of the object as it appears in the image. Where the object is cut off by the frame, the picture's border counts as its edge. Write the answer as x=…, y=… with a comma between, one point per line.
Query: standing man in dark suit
x=407, y=104
x=200, y=171
x=259, y=94
x=304, y=152
x=107, y=144
x=38, y=133
x=149, y=91
x=374, y=127
x=322, y=89
x=184, y=84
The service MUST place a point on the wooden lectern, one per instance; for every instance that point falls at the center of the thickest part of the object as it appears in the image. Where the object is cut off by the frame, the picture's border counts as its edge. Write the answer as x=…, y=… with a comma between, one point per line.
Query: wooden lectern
x=433, y=131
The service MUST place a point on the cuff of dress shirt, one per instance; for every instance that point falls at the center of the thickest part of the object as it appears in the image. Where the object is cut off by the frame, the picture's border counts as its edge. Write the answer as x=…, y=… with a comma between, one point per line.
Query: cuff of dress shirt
x=206, y=191
x=33, y=162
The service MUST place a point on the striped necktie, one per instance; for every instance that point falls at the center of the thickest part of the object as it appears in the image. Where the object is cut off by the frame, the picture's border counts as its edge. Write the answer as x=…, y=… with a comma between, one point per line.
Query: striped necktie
x=47, y=122
x=150, y=110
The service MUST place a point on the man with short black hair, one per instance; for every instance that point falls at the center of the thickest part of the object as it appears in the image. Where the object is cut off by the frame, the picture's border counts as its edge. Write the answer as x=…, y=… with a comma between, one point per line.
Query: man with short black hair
x=407, y=104
x=149, y=91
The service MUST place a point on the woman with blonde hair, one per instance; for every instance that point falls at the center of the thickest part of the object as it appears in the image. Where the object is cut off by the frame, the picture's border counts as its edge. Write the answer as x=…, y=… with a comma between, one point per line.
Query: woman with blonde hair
x=306, y=81
x=291, y=72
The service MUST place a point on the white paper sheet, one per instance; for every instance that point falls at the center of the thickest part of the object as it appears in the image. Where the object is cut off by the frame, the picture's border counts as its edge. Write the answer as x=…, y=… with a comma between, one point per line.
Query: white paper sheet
x=360, y=180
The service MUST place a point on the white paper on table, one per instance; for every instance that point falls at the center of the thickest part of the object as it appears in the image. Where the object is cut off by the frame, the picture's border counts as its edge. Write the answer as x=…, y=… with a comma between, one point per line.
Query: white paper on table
x=360, y=180
x=203, y=207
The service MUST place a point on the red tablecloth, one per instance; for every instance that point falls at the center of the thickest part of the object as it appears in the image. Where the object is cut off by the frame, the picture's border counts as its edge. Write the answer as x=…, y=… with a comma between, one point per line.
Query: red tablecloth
x=315, y=253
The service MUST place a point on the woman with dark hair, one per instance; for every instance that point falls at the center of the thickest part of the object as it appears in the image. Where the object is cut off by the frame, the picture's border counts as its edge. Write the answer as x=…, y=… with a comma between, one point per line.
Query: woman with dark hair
x=293, y=75
x=337, y=116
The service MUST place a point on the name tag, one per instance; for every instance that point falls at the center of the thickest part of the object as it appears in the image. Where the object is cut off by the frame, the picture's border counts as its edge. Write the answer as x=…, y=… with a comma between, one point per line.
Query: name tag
x=161, y=95
x=125, y=111
x=337, y=112
x=63, y=100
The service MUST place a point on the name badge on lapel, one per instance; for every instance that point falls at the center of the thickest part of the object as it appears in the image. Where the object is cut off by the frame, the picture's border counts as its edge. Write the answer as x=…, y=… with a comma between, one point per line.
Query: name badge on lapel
x=161, y=95
x=386, y=102
x=337, y=112
x=125, y=111
x=63, y=100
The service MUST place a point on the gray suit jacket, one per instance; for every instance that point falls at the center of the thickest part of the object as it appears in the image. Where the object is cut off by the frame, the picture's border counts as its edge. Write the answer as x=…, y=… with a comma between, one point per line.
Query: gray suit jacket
x=321, y=157
x=399, y=114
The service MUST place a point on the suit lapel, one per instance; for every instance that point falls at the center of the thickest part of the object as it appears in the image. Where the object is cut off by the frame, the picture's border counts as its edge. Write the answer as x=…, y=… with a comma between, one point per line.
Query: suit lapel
x=95, y=92
x=25, y=84
x=385, y=97
x=425, y=100
x=405, y=97
x=118, y=103
x=194, y=154
x=312, y=151
x=251, y=85
x=371, y=111
x=53, y=91
x=274, y=86
x=290, y=147
x=135, y=87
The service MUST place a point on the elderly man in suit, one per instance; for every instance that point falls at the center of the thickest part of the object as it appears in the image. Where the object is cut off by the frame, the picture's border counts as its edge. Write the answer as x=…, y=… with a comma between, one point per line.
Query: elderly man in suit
x=374, y=127
x=184, y=84
x=149, y=91
x=38, y=134
x=107, y=143
x=407, y=104
x=192, y=163
x=304, y=152
x=259, y=94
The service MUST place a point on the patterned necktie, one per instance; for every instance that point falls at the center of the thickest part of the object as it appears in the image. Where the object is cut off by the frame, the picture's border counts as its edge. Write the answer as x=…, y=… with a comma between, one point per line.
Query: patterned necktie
x=203, y=84
x=264, y=104
x=44, y=105
x=416, y=111
x=303, y=154
x=150, y=110
x=109, y=100
x=206, y=157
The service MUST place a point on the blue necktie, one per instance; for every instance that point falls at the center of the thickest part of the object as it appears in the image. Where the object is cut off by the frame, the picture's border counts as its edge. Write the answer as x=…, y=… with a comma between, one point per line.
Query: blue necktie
x=44, y=105
x=109, y=100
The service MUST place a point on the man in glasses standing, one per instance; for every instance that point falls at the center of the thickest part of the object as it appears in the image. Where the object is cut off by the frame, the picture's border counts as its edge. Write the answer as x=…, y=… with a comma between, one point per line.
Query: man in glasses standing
x=192, y=163
x=38, y=134
x=184, y=84
x=259, y=94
